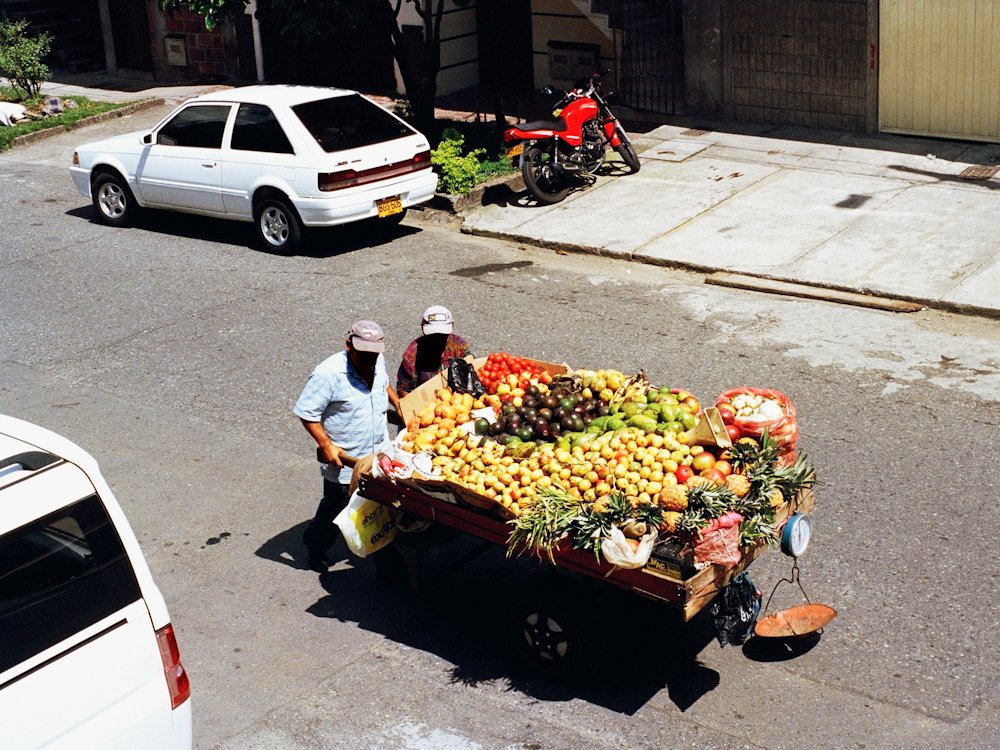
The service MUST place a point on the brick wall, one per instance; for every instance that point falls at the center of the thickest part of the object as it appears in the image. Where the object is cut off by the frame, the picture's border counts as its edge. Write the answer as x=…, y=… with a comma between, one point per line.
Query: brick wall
x=801, y=62
x=206, y=50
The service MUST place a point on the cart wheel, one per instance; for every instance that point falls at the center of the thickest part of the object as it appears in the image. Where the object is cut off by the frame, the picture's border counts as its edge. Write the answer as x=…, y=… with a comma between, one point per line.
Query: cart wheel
x=548, y=631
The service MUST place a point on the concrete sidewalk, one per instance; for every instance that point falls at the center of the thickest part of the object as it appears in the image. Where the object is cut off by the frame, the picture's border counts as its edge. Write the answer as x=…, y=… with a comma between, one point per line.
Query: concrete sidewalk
x=872, y=215
x=892, y=217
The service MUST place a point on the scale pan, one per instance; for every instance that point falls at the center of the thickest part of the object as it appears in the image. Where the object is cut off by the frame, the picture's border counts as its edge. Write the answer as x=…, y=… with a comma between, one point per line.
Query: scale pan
x=800, y=620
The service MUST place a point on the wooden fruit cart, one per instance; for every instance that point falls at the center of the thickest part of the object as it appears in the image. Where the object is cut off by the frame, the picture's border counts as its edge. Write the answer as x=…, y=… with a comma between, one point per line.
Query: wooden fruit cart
x=544, y=626
x=659, y=579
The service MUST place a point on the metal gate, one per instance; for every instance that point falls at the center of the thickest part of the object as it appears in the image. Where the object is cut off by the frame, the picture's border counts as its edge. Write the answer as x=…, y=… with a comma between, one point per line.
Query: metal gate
x=940, y=68
x=650, y=54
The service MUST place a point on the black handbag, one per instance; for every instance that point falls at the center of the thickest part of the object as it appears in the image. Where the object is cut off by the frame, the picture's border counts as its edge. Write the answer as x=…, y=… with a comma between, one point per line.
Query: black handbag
x=462, y=378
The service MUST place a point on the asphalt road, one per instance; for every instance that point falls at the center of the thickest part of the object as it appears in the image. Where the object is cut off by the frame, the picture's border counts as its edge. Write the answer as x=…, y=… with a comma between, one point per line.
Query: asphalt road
x=174, y=351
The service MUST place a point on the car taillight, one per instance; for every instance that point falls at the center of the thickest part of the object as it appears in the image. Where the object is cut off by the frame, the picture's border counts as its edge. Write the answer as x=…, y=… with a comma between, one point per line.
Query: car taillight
x=346, y=178
x=170, y=654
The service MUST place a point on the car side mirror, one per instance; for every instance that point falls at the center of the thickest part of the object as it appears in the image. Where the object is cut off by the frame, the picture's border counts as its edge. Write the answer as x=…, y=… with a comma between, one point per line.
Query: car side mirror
x=148, y=138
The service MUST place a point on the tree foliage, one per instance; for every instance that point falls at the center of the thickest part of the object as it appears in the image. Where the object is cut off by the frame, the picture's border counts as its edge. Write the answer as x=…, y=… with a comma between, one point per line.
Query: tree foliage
x=21, y=57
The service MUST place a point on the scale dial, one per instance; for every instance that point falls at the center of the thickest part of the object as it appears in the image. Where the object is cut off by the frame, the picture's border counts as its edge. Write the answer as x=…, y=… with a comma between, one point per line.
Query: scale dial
x=795, y=536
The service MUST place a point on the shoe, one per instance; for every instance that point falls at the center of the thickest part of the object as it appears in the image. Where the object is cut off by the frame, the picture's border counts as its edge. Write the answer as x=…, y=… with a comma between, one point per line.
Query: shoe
x=317, y=561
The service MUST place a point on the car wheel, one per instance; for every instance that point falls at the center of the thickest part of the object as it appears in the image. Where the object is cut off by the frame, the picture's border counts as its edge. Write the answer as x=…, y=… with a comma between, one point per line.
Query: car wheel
x=278, y=226
x=113, y=201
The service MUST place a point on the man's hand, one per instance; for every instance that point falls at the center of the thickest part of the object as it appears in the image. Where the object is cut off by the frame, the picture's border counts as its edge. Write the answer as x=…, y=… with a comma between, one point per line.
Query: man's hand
x=326, y=451
x=333, y=453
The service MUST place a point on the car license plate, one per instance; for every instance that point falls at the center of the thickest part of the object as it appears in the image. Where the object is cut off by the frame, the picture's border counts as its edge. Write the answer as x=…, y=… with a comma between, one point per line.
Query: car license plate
x=515, y=150
x=389, y=206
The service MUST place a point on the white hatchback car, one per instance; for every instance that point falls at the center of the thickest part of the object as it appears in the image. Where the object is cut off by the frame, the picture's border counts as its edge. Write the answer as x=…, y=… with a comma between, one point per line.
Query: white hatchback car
x=88, y=657
x=283, y=157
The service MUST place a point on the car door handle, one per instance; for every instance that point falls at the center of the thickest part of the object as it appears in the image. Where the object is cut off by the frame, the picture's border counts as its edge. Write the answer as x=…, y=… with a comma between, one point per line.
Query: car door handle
x=208, y=165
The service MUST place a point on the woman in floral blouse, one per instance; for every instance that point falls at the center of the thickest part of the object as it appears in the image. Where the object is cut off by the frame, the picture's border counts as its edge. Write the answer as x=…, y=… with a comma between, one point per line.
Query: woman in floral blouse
x=429, y=354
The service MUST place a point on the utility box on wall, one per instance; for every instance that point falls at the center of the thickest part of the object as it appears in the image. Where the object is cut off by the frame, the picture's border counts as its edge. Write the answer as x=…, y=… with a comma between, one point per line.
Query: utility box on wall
x=176, y=49
x=571, y=61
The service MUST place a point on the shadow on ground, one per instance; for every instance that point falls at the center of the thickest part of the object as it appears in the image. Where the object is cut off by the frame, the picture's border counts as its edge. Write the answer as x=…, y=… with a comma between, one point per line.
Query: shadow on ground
x=459, y=612
x=325, y=242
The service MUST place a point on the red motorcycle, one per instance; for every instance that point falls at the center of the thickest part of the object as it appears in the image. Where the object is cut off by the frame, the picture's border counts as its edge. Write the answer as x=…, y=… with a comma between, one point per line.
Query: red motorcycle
x=552, y=152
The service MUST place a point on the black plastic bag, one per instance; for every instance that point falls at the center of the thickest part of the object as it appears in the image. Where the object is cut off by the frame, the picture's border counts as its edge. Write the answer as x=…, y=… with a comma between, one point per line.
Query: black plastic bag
x=462, y=378
x=735, y=611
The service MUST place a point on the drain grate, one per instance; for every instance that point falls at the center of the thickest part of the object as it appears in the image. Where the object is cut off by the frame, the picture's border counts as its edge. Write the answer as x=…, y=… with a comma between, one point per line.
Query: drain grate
x=695, y=131
x=978, y=173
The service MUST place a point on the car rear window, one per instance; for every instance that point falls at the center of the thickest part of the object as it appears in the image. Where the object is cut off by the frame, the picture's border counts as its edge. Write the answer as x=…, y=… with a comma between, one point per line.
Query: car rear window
x=351, y=121
x=59, y=575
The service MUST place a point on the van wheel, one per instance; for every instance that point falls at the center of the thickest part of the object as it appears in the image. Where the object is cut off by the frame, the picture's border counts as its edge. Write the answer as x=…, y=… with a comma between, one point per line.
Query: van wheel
x=113, y=201
x=278, y=226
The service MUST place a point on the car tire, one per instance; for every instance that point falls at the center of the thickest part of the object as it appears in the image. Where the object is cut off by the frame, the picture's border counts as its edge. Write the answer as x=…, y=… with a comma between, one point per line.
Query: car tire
x=279, y=228
x=113, y=201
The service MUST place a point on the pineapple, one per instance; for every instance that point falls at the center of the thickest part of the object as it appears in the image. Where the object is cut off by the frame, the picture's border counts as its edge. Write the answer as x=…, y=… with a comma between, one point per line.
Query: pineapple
x=776, y=498
x=674, y=497
x=669, y=523
x=739, y=484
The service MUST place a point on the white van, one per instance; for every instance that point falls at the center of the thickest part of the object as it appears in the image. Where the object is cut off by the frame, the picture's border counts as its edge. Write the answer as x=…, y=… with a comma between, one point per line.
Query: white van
x=88, y=658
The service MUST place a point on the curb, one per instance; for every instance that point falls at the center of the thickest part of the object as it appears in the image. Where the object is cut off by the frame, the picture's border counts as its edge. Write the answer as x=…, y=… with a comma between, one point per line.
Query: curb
x=128, y=109
x=768, y=284
x=494, y=190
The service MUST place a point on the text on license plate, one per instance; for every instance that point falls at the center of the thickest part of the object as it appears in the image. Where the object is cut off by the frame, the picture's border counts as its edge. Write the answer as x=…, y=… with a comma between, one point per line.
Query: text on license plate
x=515, y=150
x=389, y=206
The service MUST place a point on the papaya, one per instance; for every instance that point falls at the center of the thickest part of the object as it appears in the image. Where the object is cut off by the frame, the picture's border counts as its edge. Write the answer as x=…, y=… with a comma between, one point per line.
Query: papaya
x=643, y=422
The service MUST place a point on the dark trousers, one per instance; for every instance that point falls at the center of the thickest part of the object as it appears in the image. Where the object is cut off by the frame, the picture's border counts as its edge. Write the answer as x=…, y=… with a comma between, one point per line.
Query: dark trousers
x=320, y=534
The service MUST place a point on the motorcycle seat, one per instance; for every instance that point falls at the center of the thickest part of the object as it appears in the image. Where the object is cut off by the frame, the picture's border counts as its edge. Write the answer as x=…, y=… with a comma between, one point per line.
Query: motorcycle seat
x=558, y=125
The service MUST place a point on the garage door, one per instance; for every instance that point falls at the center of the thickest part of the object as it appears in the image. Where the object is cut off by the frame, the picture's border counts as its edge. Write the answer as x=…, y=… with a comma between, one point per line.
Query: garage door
x=940, y=68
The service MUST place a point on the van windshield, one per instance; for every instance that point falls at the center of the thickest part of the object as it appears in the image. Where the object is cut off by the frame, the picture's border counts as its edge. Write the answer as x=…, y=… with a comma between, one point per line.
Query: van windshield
x=343, y=122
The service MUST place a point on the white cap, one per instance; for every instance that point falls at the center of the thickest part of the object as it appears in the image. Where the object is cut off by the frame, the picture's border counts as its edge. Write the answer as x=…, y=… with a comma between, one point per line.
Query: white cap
x=367, y=336
x=437, y=319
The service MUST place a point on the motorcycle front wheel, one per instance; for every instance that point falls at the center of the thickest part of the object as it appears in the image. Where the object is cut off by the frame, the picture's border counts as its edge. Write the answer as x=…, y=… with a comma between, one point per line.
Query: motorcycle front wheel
x=627, y=152
x=543, y=181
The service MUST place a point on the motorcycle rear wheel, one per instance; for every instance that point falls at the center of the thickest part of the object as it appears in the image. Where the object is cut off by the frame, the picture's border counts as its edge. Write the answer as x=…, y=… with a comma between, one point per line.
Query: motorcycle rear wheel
x=542, y=180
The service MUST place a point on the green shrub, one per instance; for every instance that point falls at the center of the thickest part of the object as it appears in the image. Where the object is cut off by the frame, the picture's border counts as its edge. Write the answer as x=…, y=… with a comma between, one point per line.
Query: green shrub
x=21, y=57
x=497, y=167
x=457, y=172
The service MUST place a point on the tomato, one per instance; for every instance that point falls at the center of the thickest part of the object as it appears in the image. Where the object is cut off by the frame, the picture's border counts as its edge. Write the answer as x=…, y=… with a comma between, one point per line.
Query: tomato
x=734, y=432
x=683, y=473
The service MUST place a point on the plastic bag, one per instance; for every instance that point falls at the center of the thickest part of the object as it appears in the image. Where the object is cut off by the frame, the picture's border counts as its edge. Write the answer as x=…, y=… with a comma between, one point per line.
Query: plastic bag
x=367, y=526
x=616, y=549
x=735, y=611
x=462, y=377
x=784, y=428
x=720, y=543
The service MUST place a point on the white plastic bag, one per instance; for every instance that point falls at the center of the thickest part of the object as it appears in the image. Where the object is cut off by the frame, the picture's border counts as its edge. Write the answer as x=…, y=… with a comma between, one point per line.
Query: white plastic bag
x=616, y=549
x=367, y=526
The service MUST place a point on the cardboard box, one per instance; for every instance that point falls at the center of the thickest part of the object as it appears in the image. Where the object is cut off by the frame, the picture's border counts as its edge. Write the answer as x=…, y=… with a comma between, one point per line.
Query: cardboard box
x=415, y=400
